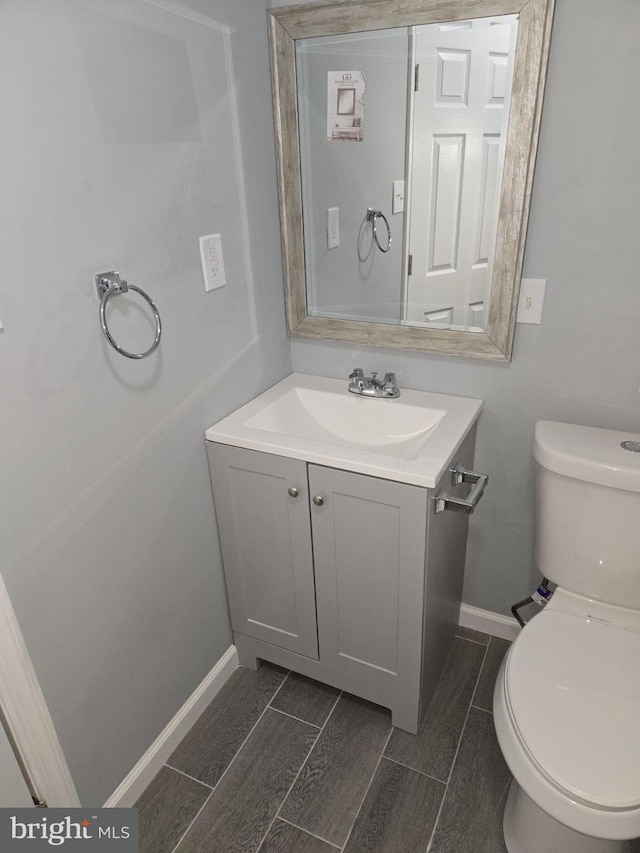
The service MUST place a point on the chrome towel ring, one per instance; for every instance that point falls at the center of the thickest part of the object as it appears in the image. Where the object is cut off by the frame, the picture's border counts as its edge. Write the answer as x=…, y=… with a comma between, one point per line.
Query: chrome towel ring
x=108, y=283
x=372, y=216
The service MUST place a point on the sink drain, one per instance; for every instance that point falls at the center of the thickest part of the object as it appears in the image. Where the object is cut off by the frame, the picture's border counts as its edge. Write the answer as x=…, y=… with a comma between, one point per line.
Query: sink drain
x=633, y=446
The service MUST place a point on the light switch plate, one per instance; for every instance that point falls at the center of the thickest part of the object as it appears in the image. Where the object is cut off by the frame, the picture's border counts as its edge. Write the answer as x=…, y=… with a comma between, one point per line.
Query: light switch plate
x=397, y=202
x=531, y=300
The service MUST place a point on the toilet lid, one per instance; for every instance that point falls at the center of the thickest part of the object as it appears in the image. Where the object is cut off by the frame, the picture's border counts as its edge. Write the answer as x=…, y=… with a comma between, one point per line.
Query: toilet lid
x=573, y=688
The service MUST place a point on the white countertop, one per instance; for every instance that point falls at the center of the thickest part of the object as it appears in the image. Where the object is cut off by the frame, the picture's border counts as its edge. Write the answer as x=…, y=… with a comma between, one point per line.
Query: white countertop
x=411, y=439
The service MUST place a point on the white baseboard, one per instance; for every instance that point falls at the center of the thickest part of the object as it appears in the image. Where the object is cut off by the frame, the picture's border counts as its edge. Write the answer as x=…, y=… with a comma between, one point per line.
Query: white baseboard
x=488, y=622
x=132, y=786
x=148, y=766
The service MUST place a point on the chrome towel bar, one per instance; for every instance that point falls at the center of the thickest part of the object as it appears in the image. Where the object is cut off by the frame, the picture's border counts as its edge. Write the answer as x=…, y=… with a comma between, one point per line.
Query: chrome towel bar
x=110, y=283
x=372, y=216
x=459, y=474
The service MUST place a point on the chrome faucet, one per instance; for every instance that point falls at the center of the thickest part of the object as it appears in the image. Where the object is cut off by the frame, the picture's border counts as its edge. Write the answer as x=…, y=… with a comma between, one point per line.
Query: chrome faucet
x=370, y=386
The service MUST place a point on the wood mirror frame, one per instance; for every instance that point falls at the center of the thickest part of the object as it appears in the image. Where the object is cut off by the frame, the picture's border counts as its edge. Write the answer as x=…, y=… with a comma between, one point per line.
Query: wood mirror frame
x=288, y=23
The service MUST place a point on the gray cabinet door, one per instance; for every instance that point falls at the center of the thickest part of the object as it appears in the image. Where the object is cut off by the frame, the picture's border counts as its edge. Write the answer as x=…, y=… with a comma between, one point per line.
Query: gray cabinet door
x=266, y=545
x=369, y=547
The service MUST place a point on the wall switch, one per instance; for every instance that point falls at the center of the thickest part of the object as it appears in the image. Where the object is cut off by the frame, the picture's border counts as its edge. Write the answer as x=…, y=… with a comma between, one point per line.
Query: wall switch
x=212, y=262
x=333, y=227
x=531, y=300
x=397, y=202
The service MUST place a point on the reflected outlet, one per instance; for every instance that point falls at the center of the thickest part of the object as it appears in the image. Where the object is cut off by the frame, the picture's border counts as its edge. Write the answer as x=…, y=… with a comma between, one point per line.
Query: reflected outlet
x=333, y=227
x=212, y=261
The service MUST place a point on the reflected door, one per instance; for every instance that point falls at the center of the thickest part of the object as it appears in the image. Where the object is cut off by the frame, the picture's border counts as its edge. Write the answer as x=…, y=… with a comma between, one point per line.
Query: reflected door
x=460, y=115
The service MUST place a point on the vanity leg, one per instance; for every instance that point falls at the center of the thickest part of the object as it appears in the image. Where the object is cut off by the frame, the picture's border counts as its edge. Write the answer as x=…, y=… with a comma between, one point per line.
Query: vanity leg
x=245, y=656
x=406, y=717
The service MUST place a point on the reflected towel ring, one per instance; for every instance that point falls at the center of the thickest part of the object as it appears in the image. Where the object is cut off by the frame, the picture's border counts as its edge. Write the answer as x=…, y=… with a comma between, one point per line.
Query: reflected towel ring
x=108, y=283
x=372, y=215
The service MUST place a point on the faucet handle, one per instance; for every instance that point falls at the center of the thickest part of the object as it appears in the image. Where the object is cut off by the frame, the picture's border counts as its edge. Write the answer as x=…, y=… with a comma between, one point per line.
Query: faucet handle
x=358, y=373
x=390, y=386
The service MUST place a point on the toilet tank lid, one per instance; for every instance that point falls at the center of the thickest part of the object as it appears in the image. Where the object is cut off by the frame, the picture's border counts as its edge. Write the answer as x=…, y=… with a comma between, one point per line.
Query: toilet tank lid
x=588, y=453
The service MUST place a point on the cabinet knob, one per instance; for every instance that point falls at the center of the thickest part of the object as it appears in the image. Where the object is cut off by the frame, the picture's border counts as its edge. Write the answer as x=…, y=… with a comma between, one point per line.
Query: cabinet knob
x=318, y=500
x=293, y=492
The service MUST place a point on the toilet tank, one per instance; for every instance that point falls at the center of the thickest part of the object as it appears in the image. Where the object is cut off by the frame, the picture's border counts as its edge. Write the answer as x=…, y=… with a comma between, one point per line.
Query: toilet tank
x=587, y=536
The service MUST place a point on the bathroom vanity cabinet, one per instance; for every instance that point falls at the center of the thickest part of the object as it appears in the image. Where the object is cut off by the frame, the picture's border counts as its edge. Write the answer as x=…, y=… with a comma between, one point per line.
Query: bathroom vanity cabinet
x=350, y=579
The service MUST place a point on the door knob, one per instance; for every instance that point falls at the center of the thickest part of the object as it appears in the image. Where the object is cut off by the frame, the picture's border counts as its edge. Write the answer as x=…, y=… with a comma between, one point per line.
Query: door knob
x=293, y=492
x=318, y=500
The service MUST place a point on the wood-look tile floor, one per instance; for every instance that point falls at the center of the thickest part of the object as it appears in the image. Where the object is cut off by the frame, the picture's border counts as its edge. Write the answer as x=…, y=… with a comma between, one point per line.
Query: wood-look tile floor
x=279, y=763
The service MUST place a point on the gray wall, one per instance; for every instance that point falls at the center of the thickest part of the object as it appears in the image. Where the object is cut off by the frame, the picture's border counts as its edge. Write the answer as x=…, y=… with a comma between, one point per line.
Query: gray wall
x=107, y=541
x=583, y=363
x=127, y=131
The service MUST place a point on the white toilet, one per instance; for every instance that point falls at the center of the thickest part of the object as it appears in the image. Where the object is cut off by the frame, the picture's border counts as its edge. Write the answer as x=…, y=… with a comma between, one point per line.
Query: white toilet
x=567, y=697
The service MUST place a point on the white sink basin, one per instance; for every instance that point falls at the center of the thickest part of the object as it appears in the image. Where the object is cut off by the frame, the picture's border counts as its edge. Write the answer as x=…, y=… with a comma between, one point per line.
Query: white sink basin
x=347, y=419
x=411, y=439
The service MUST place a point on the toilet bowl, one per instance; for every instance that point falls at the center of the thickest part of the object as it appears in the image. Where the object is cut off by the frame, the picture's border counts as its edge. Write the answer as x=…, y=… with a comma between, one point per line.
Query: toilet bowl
x=567, y=697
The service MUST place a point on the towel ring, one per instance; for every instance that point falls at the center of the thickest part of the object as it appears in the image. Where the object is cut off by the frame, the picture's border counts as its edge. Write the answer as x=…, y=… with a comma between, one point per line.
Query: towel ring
x=108, y=283
x=372, y=215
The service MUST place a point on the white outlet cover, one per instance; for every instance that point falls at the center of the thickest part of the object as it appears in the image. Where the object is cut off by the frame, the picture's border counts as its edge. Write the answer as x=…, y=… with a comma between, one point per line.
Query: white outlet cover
x=212, y=262
x=333, y=227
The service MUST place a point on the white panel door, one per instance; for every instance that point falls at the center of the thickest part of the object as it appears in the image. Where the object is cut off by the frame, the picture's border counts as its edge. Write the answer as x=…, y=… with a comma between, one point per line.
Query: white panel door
x=459, y=112
x=262, y=506
x=369, y=551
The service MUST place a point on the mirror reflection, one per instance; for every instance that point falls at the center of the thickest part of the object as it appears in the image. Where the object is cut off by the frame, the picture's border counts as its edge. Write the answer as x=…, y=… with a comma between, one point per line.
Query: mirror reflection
x=410, y=124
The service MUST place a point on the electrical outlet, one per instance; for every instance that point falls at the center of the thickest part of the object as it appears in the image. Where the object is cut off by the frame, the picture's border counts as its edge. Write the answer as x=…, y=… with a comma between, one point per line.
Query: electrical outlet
x=212, y=261
x=333, y=227
x=531, y=300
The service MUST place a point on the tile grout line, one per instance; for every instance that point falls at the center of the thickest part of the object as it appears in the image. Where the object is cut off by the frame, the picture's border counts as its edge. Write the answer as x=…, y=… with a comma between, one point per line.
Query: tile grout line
x=284, y=799
x=375, y=770
x=470, y=640
x=455, y=757
x=477, y=707
x=199, y=812
x=284, y=680
x=226, y=770
x=193, y=778
x=293, y=717
x=306, y=832
x=414, y=770
x=444, y=797
x=464, y=725
x=480, y=671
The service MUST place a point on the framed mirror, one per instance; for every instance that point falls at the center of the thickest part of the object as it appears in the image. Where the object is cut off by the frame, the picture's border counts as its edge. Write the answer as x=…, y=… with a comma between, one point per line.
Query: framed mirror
x=404, y=226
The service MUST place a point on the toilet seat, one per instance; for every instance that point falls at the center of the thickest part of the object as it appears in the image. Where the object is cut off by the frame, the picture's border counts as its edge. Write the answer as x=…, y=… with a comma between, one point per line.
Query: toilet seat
x=572, y=688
